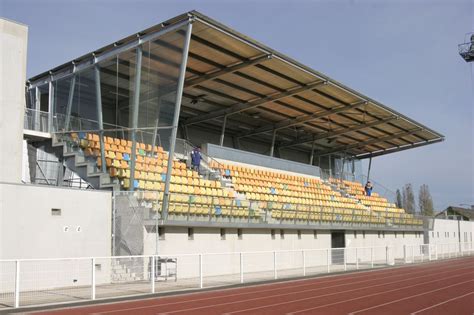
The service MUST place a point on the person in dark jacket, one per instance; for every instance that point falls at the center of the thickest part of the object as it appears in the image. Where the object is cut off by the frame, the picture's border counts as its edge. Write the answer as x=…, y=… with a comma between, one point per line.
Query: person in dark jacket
x=368, y=189
x=196, y=158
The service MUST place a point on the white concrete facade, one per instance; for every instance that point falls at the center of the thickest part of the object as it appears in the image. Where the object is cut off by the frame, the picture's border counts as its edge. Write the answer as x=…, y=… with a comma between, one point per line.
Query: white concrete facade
x=450, y=231
x=221, y=247
x=208, y=240
x=175, y=240
x=13, y=50
x=30, y=228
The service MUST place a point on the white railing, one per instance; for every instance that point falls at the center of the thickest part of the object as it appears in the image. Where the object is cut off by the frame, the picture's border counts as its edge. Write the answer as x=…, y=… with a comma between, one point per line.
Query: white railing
x=36, y=120
x=31, y=282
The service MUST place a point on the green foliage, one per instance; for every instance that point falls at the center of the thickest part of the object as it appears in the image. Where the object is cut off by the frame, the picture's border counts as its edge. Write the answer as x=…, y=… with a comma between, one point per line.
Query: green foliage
x=399, y=200
x=408, y=199
x=425, y=201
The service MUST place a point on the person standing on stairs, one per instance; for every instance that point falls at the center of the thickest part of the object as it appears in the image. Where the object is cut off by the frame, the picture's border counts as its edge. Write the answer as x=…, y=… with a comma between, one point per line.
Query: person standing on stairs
x=196, y=159
x=368, y=188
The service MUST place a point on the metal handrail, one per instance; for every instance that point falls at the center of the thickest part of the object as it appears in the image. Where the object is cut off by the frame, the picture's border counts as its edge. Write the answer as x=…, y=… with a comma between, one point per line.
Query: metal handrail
x=36, y=120
x=254, y=209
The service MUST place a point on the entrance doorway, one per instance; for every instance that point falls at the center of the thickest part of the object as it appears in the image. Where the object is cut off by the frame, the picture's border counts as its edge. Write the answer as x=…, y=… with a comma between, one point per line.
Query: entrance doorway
x=338, y=240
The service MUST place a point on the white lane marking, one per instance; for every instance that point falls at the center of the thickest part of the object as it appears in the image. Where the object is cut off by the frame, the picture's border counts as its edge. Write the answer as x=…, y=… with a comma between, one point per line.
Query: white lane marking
x=436, y=305
x=298, y=292
x=309, y=298
x=338, y=277
x=409, y=297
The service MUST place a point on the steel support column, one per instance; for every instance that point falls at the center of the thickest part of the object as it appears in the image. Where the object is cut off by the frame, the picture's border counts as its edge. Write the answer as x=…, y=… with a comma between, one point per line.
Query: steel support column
x=98, y=103
x=135, y=105
x=368, y=170
x=311, y=158
x=179, y=95
x=221, y=142
x=69, y=103
x=272, y=149
x=157, y=122
x=50, y=106
x=342, y=168
x=37, y=125
x=330, y=165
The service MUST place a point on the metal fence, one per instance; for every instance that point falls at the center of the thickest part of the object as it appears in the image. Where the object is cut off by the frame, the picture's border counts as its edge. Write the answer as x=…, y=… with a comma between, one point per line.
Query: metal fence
x=32, y=282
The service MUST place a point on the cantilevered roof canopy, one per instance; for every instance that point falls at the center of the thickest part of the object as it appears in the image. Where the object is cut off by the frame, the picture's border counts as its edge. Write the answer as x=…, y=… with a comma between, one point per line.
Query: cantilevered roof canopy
x=260, y=93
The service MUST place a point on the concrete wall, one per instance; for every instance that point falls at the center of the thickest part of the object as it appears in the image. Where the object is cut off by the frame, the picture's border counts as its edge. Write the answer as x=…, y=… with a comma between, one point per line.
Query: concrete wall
x=256, y=159
x=381, y=239
x=199, y=136
x=221, y=255
x=13, y=48
x=208, y=240
x=29, y=230
x=448, y=231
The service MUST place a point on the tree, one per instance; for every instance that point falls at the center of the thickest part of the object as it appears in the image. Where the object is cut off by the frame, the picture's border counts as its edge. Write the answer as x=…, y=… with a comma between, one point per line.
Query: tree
x=408, y=199
x=425, y=202
x=399, y=200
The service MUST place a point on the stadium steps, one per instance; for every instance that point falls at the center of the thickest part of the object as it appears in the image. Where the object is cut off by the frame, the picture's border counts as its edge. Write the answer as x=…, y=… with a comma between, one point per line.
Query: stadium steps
x=84, y=167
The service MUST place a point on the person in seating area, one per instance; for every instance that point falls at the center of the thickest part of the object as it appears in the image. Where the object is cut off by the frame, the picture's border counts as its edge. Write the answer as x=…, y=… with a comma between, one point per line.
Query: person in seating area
x=196, y=158
x=368, y=188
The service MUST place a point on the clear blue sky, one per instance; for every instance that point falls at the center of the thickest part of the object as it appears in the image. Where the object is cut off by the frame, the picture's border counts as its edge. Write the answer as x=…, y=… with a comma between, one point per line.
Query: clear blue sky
x=401, y=53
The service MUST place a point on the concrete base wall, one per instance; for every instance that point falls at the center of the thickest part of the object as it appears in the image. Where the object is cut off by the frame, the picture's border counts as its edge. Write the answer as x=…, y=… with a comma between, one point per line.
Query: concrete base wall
x=28, y=228
x=208, y=240
x=221, y=256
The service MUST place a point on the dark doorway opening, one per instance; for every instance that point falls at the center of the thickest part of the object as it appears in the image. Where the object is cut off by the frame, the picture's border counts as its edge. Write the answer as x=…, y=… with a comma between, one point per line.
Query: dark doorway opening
x=338, y=243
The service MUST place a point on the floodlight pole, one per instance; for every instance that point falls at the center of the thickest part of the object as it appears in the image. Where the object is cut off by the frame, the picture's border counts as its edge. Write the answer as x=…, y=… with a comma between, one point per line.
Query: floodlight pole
x=223, y=131
x=69, y=103
x=136, y=103
x=98, y=102
x=177, y=108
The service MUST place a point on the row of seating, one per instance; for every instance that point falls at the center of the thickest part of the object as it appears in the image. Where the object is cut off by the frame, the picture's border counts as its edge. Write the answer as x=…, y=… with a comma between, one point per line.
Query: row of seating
x=302, y=189
x=123, y=153
x=253, y=192
x=261, y=185
x=117, y=142
x=298, y=187
x=374, y=202
x=227, y=168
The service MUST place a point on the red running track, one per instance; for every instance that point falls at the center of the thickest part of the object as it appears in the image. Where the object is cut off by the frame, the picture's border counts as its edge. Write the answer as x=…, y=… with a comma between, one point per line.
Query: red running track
x=445, y=287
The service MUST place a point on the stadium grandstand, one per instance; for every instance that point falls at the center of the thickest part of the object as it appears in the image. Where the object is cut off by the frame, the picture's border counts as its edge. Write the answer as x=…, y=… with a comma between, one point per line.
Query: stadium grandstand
x=102, y=189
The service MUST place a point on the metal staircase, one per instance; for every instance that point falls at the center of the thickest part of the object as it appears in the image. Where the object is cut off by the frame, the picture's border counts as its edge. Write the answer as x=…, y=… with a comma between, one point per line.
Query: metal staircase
x=73, y=157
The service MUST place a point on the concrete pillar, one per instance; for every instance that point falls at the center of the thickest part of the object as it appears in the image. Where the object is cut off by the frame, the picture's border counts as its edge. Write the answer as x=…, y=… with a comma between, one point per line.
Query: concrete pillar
x=13, y=48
